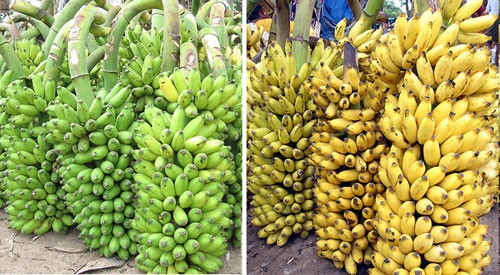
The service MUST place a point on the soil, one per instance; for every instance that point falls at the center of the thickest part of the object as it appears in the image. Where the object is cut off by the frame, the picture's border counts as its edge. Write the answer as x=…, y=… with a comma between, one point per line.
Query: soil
x=56, y=254
x=298, y=256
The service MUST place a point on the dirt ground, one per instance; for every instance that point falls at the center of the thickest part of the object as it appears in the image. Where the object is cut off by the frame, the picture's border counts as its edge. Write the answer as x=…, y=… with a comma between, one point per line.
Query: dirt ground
x=299, y=255
x=23, y=254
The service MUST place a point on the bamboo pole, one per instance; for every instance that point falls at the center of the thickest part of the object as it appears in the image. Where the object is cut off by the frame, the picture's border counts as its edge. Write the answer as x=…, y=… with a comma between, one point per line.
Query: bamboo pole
x=126, y=14
x=171, y=35
x=32, y=11
x=10, y=58
x=283, y=22
x=64, y=16
x=300, y=39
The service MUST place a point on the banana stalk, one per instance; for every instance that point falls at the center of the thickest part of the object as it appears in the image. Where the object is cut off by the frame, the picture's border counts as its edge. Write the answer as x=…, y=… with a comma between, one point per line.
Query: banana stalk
x=32, y=11
x=42, y=28
x=195, y=5
x=96, y=56
x=217, y=22
x=213, y=50
x=171, y=34
x=111, y=14
x=157, y=20
x=64, y=16
x=126, y=14
x=56, y=54
x=188, y=57
x=45, y=4
x=300, y=39
x=370, y=13
x=10, y=57
x=77, y=58
x=282, y=22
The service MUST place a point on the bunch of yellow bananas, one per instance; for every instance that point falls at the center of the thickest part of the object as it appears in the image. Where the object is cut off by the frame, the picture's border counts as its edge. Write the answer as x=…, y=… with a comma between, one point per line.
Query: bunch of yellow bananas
x=254, y=38
x=346, y=146
x=423, y=35
x=441, y=171
x=280, y=122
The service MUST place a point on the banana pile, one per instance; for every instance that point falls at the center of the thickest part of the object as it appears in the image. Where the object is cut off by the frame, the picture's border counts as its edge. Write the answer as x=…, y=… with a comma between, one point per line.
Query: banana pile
x=280, y=123
x=36, y=200
x=93, y=151
x=153, y=154
x=441, y=170
x=346, y=146
x=182, y=175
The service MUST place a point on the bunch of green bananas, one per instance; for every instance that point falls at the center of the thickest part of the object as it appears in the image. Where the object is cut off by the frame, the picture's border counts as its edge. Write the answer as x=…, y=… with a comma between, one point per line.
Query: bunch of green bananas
x=30, y=55
x=31, y=186
x=93, y=148
x=183, y=174
x=140, y=58
x=346, y=146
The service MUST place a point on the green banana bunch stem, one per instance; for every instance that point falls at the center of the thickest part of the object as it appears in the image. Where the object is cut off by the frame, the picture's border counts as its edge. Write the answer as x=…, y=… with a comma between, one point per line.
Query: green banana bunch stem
x=104, y=4
x=282, y=21
x=45, y=4
x=111, y=15
x=188, y=57
x=274, y=27
x=126, y=14
x=156, y=20
x=212, y=48
x=32, y=11
x=42, y=28
x=201, y=23
x=195, y=5
x=171, y=34
x=217, y=12
x=77, y=58
x=10, y=57
x=64, y=16
x=300, y=39
x=56, y=54
x=99, y=30
x=96, y=56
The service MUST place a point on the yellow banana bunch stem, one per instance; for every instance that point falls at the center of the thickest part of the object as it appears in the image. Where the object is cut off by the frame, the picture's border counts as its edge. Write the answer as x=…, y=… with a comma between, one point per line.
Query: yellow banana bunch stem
x=282, y=21
x=300, y=38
